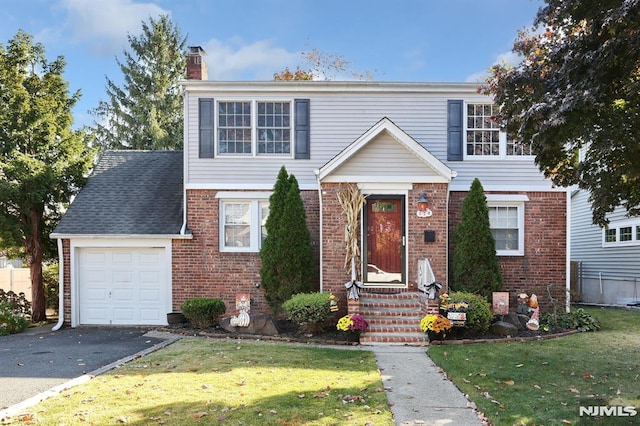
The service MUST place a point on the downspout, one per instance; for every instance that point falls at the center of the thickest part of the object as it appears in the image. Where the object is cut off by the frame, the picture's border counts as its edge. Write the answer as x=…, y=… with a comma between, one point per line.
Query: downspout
x=60, y=287
x=317, y=173
x=568, y=255
x=185, y=156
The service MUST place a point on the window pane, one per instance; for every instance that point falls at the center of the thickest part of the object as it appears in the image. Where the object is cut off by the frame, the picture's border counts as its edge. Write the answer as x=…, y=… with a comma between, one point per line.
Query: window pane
x=234, y=127
x=264, y=214
x=483, y=133
x=626, y=234
x=237, y=229
x=274, y=128
x=610, y=235
x=504, y=224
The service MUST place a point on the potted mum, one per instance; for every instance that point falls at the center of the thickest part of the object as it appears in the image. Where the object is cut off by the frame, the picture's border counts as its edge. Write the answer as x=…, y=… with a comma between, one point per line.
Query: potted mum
x=435, y=325
x=352, y=323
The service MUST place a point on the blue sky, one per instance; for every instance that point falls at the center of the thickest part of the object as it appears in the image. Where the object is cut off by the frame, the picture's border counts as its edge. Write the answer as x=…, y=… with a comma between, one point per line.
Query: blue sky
x=402, y=40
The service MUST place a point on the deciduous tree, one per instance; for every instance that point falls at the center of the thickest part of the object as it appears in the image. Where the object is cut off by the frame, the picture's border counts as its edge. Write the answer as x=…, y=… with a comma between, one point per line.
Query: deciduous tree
x=578, y=87
x=43, y=162
x=323, y=66
x=146, y=112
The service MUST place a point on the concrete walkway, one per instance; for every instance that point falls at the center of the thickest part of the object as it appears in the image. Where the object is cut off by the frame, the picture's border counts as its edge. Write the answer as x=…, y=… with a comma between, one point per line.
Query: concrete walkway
x=418, y=393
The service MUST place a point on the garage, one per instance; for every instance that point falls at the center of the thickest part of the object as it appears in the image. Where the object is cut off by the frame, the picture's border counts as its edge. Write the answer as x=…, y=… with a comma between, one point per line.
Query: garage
x=122, y=285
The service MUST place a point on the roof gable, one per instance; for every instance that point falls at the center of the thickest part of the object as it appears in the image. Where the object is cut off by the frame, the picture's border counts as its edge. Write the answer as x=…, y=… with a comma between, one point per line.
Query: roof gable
x=398, y=153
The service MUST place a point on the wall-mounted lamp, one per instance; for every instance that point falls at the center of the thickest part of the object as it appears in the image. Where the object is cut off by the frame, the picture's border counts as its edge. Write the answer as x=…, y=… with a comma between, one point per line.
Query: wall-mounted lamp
x=423, y=206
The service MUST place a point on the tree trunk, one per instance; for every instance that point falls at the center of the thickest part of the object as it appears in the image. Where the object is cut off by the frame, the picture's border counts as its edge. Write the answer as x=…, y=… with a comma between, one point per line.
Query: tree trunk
x=33, y=245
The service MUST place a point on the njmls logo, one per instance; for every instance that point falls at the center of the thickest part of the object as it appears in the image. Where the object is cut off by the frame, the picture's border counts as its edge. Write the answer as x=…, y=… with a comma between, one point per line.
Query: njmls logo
x=607, y=411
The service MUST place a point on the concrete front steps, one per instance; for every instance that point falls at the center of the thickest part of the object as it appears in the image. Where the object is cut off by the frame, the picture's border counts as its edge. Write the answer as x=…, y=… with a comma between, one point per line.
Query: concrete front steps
x=394, y=319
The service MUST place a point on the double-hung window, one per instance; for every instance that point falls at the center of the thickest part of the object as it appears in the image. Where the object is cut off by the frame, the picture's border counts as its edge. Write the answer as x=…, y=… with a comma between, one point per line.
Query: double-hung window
x=484, y=136
x=506, y=220
x=254, y=128
x=242, y=224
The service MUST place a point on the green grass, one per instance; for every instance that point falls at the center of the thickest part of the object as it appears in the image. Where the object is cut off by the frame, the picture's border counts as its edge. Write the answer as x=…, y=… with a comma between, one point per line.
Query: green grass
x=545, y=382
x=197, y=381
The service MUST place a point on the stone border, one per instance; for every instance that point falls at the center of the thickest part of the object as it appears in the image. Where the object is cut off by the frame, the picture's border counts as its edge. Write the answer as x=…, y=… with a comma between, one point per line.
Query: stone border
x=504, y=339
x=242, y=336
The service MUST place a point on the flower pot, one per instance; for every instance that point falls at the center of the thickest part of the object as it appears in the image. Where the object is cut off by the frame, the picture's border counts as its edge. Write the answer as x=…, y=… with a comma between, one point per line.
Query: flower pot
x=176, y=318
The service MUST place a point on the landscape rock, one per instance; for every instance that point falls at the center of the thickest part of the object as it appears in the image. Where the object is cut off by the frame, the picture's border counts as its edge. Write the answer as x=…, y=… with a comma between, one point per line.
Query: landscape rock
x=262, y=324
x=514, y=319
x=503, y=328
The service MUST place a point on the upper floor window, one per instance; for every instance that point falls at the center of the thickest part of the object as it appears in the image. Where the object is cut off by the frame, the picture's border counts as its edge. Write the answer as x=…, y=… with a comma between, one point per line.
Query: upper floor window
x=254, y=128
x=484, y=137
x=624, y=233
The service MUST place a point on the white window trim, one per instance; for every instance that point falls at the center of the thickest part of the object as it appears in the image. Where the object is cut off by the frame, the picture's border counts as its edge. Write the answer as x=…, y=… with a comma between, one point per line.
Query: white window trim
x=255, y=225
x=633, y=223
x=254, y=129
x=502, y=141
x=511, y=201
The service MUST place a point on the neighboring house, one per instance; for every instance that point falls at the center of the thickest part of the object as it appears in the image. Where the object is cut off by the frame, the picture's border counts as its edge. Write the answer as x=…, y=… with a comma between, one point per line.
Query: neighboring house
x=607, y=260
x=152, y=229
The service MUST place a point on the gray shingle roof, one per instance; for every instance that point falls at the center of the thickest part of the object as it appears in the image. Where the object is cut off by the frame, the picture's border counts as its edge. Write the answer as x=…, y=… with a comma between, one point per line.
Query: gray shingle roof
x=129, y=193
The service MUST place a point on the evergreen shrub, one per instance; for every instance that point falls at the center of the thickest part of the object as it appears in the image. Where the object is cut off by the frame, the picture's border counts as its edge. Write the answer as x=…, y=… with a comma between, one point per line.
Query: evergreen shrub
x=203, y=312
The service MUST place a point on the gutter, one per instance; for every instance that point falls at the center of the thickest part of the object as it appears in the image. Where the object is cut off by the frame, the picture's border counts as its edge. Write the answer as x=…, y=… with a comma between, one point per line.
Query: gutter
x=60, y=287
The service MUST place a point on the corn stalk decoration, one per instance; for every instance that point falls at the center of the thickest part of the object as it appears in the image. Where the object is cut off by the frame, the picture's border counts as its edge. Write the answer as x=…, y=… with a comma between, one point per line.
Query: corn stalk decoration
x=351, y=200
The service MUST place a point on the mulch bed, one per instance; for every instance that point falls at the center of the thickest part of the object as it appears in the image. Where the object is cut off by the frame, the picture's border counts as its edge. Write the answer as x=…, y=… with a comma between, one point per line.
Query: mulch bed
x=289, y=332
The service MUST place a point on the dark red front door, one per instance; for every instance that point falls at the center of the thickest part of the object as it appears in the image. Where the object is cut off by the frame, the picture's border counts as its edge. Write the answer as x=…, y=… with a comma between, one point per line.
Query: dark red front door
x=384, y=239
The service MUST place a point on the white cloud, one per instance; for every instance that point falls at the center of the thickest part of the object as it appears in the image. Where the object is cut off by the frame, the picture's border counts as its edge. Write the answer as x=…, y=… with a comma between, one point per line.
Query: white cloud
x=103, y=25
x=235, y=60
x=508, y=58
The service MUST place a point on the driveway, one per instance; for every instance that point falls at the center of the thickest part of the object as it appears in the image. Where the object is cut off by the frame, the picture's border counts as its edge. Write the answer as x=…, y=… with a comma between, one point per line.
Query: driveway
x=40, y=359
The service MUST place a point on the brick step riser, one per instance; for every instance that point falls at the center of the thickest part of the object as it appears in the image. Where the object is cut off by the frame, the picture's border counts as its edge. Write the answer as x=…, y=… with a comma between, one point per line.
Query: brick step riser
x=393, y=329
x=409, y=340
x=386, y=315
x=393, y=321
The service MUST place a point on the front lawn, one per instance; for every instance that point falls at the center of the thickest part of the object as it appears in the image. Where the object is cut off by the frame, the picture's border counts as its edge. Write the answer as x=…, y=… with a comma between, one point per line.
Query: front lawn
x=198, y=381
x=546, y=382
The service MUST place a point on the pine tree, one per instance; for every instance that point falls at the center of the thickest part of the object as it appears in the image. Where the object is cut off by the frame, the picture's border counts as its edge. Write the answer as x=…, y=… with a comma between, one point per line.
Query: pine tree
x=43, y=162
x=475, y=263
x=287, y=259
x=147, y=111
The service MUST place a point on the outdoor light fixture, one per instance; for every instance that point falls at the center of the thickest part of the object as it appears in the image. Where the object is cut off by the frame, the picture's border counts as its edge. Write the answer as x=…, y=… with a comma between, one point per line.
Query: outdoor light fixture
x=423, y=206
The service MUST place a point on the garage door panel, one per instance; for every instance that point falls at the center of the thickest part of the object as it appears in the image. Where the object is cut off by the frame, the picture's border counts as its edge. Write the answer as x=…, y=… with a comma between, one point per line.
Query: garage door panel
x=125, y=286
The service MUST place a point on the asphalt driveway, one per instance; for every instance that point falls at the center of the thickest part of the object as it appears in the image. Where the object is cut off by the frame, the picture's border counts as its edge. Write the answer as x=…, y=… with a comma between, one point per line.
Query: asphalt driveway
x=40, y=359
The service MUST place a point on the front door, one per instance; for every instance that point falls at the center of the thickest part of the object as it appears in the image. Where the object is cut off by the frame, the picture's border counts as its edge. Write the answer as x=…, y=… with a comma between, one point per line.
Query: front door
x=384, y=240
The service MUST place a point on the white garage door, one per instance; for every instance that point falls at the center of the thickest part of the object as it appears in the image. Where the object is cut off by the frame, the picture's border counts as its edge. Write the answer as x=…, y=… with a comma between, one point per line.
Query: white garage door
x=125, y=286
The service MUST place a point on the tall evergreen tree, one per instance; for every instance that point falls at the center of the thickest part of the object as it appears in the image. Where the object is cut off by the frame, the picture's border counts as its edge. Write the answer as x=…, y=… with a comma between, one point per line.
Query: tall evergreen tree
x=43, y=162
x=475, y=263
x=147, y=111
x=287, y=258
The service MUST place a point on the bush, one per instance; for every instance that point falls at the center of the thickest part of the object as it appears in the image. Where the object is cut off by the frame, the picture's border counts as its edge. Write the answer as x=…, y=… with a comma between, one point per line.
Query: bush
x=479, y=313
x=51, y=286
x=203, y=312
x=17, y=302
x=11, y=321
x=577, y=320
x=310, y=310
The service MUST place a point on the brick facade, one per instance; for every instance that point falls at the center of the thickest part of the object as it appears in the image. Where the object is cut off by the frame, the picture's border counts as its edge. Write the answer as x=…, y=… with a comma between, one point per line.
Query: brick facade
x=200, y=269
x=334, y=274
x=544, y=260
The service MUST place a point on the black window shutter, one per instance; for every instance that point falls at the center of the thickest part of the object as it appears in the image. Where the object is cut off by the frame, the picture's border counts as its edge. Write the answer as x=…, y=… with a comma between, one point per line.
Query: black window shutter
x=205, y=128
x=455, y=130
x=302, y=130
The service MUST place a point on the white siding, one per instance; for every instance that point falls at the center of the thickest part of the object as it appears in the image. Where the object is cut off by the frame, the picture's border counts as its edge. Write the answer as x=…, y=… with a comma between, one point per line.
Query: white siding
x=380, y=158
x=339, y=115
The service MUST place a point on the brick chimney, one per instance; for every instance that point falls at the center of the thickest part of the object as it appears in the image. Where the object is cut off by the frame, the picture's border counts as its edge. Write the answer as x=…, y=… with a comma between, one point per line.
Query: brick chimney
x=196, y=66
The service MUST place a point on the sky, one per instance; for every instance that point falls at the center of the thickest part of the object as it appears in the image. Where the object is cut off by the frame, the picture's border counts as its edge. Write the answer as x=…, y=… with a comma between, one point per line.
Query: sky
x=401, y=40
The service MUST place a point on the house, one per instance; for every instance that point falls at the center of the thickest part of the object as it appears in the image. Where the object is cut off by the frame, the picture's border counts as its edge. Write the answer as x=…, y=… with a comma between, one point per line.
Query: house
x=606, y=267
x=128, y=260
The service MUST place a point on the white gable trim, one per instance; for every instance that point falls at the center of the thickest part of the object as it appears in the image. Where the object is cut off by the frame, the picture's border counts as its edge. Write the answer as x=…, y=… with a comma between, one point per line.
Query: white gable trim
x=445, y=174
